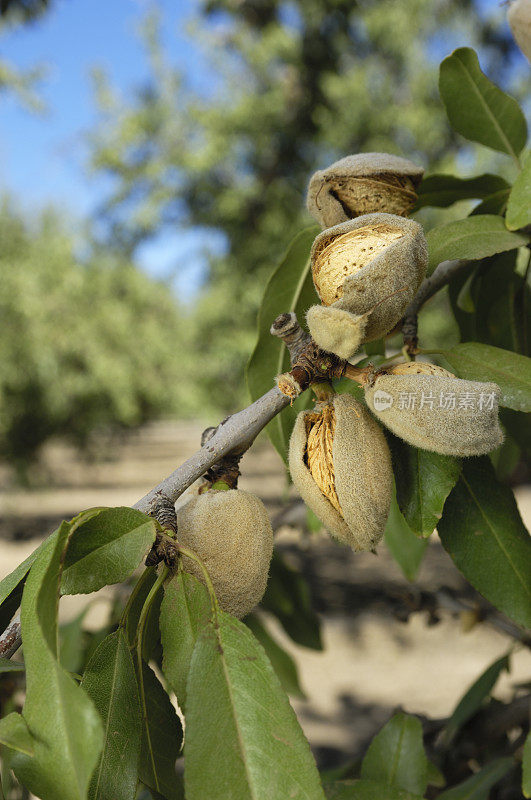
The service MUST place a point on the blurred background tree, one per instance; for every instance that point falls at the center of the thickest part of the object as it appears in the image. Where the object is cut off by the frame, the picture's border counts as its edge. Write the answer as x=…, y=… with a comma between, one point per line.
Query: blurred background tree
x=290, y=87
x=86, y=345
x=294, y=86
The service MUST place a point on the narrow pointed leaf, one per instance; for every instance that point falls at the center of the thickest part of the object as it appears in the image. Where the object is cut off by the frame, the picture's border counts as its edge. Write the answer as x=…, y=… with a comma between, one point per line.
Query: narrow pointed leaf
x=494, y=203
x=479, y=785
x=141, y=589
x=473, y=698
x=283, y=664
x=406, y=548
x=106, y=549
x=366, y=790
x=287, y=596
x=477, y=108
x=471, y=238
x=526, y=767
x=249, y=745
x=519, y=204
x=162, y=737
x=60, y=716
x=290, y=288
x=482, y=362
x=444, y=190
x=72, y=640
x=396, y=756
x=12, y=585
x=14, y=733
x=110, y=681
x=435, y=776
x=184, y=612
x=483, y=532
x=423, y=482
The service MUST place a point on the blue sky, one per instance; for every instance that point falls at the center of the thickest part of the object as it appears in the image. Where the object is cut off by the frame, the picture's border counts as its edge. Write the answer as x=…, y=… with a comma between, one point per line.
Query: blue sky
x=43, y=157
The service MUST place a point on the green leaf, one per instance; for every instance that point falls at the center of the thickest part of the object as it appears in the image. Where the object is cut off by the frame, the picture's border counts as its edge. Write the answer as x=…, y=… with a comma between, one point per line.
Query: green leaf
x=14, y=733
x=282, y=662
x=478, y=786
x=435, y=776
x=290, y=288
x=526, y=767
x=477, y=108
x=60, y=716
x=162, y=737
x=12, y=585
x=6, y=665
x=110, y=681
x=471, y=238
x=184, y=612
x=483, y=532
x=396, y=756
x=106, y=549
x=519, y=205
x=443, y=190
x=473, y=698
x=249, y=745
x=495, y=203
x=287, y=596
x=423, y=482
x=481, y=362
x=139, y=594
x=406, y=548
x=375, y=348
x=72, y=643
x=366, y=790
x=500, y=298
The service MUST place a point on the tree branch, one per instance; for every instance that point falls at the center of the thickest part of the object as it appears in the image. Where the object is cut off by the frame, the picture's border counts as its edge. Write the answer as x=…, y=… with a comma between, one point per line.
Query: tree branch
x=239, y=430
x=236, y=432
x=10, y=640
x=442, y=275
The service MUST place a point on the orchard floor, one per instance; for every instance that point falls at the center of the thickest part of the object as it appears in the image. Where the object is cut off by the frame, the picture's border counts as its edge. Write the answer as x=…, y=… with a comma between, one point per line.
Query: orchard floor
x=371, y=662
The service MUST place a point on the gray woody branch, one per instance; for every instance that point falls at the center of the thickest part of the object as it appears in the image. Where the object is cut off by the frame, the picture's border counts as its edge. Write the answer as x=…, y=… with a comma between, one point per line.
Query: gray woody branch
x=237, y=432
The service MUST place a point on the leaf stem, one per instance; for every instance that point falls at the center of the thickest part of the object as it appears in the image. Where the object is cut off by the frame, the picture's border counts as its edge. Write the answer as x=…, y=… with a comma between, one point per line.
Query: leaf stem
x=163, y=574
x=134, y=592
x=139, y=641
x=194, y=557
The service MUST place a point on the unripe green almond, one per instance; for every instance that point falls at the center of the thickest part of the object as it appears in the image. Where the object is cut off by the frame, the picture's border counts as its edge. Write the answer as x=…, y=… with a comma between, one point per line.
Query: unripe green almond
x=342, y=470
x=371, y=265
x=231, y=533
x=519, y=18
x=440, y=413
x=336, y=330
x=363, y=184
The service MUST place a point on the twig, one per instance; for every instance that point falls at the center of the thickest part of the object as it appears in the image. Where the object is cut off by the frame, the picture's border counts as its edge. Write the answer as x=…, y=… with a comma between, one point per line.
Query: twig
x=238, y=431
x=492, y=617
x=10, y=640
x=442, y=275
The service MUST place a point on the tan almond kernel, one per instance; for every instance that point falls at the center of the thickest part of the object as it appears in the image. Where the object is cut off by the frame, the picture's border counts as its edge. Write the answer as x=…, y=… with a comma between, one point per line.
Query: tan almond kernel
x=320, y=429
x=346, y=255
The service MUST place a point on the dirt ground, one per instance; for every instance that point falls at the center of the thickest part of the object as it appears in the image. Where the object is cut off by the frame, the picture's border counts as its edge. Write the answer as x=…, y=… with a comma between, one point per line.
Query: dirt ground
x=371, y=662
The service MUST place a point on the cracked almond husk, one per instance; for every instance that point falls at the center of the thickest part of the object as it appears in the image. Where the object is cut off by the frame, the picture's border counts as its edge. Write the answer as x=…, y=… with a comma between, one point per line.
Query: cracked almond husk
x=363, y=184
x=340, y=464
x=230, y=531
x=371, y=268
